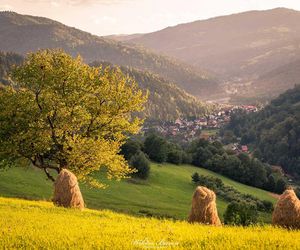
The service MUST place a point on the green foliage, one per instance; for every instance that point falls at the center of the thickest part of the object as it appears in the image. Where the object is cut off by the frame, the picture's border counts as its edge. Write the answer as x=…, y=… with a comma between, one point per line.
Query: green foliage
x=7, y=61
x=132, y=196
x=241, y=168
x=240, y=213
x=156, y=148
x=274, y=131
x=280, y=186
x=166, y=101
x=63, y=113
x=25, y=34
x=175, y=157
x=140, y=162
x=195, y=177
x=130, y=148
x=229, y=193
x=228, y=137
x=186, y=158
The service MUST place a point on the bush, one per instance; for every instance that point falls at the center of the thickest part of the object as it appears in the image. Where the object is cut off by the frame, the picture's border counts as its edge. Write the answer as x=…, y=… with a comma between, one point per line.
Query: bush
x=240, y=213
x=156, y=147
x=140, y=162
x=229, y=193
x=280, y=186
x=130, y=148
x=196, y=178
x=268, y=206
x=186, y=158
x=175, y=156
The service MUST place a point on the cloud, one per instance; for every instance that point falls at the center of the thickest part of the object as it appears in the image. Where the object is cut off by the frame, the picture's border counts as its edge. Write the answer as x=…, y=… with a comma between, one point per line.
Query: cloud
x=6, y=7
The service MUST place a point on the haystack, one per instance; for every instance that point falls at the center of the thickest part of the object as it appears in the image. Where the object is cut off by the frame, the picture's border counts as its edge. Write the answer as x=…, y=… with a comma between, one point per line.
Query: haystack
x=204, y=208
x=287, y=210
x=66, y=191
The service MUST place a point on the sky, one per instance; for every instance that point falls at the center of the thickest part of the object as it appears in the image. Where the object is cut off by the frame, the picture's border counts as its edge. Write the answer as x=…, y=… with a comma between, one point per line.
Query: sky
x=106, y=17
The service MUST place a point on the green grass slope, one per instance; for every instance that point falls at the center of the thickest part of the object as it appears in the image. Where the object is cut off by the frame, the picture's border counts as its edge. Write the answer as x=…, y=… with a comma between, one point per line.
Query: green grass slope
x=39, y=225
x=167, y=192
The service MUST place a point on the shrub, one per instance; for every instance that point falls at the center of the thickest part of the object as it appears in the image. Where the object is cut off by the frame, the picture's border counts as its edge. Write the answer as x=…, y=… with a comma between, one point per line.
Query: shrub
x=175, y=156
x=268, y=206
x=240, y=213
x=280, y=186
x=156, y=147
x=130, y=148
x=195, y=178
x=186, y=158
x=140, y=162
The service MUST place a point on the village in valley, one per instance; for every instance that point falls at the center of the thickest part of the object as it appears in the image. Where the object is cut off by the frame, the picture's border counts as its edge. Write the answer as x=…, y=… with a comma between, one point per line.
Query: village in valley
x=206, y=127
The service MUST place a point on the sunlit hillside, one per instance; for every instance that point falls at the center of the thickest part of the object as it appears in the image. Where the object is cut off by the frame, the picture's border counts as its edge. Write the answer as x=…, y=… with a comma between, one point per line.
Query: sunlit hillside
x=36, y=225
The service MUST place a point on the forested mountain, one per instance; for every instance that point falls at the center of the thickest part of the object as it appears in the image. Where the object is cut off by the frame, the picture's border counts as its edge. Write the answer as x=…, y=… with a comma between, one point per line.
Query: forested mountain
x=239, y=45
x=240, y=48
x=274, y=132
x=22, y=33
x=166, y=100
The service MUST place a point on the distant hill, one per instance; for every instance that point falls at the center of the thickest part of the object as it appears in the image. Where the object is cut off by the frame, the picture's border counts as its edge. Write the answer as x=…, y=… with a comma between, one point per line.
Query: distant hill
x=269, y=85
x=279, y=79
x=22, y=33
x=239, y=46
x=166, y=100
x=274, y=132
x=124, y=37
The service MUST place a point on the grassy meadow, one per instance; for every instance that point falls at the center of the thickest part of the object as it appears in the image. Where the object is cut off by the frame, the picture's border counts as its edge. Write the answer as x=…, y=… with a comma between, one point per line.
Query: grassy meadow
x=167, y=193
x=40, y=225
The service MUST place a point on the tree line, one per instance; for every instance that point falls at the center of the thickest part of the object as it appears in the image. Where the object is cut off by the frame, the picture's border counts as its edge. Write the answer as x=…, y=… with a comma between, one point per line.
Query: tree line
x=273, y=133
x=210, y=155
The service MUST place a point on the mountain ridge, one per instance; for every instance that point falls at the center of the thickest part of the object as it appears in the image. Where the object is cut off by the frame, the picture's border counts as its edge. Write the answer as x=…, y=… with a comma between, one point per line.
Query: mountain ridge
x=166, y=100
x=239, y=47
x=24, y=33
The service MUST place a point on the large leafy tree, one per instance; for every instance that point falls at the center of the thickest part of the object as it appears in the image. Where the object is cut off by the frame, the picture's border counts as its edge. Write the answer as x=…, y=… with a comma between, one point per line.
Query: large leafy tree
x=61, y=113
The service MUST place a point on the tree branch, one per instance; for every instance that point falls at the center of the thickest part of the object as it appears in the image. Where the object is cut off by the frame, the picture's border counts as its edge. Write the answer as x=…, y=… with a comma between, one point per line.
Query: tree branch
x=50, y=177
x=38, y=162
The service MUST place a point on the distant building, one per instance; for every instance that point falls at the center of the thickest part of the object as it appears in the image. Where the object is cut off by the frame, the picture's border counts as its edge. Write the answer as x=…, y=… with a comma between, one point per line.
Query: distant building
x=244, y=148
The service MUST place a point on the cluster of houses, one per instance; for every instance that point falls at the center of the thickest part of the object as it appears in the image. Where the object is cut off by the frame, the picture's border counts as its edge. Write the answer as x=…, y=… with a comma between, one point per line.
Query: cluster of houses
x=237, y=148
x=189, y=130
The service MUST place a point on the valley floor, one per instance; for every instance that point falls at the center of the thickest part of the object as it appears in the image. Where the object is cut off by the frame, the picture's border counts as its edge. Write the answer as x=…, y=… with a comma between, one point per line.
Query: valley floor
x=40, y=225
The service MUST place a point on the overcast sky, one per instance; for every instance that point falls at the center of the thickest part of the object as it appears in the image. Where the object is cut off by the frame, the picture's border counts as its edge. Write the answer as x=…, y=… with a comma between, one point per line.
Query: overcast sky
x=104, y=17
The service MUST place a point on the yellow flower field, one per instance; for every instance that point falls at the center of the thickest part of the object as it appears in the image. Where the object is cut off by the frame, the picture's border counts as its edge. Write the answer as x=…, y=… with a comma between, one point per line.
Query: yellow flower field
x=40, y=225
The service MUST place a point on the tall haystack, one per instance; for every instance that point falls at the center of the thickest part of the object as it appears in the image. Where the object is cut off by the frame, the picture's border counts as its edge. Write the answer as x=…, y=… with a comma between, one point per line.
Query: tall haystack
x=204, y=208
x=66, y=191
x=287, y=210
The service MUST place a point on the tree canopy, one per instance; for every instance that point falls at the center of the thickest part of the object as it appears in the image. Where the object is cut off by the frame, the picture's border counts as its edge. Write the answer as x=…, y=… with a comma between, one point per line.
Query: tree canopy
x=61, y=113
x=274, y=132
